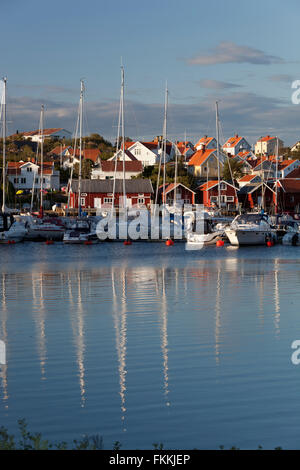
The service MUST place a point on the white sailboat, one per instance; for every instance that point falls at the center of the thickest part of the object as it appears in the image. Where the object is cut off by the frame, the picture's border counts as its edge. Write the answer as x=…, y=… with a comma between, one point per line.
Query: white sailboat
x=11, y=230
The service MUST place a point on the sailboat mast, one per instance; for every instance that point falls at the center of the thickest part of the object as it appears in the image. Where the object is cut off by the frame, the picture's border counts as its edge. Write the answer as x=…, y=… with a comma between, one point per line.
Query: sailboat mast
x=218, y=154
x=165, y=142
x=42, y=157
x=4, y=144
x=80, y=145
x=276, y=178
x=123, y=133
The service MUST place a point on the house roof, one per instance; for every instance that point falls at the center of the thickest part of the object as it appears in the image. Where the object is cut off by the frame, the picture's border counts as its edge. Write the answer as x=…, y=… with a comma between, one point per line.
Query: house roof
x=247, y=178
x=171, y=186
x=266, y=138
x=284, y=164
x=294, y=174
x=49, y=131
x=200, y=157
x=130, y=166
x=250, y=188
x=204, y=141
x=290, y=185
x=211, y=184
x=138, y=185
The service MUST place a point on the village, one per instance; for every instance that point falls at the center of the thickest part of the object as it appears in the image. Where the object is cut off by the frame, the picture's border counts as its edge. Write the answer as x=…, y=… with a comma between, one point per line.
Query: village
x=245, y=177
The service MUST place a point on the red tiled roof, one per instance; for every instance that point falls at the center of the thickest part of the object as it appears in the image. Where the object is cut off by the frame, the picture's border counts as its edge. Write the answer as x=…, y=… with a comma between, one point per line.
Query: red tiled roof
x=247, y=178
x=204, y=141
x=285, y=164
x=200, y=157
x=232, y=141
x=91, y=154
x=266, y=138
x=45, y=132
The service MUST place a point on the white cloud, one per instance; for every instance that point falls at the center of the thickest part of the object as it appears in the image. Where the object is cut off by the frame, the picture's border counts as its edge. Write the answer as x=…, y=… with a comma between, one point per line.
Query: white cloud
x=228, y=52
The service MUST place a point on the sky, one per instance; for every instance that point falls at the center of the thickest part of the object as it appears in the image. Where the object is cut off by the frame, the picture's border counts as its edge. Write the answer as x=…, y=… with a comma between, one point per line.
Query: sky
x=242, y=54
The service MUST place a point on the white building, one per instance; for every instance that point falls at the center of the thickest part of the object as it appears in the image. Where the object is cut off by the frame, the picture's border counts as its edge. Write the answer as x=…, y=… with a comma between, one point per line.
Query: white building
x=267, y=145
x=236, y=144
x=26, y=175
x=106, y=170
x=147, y=152
x=53, y=133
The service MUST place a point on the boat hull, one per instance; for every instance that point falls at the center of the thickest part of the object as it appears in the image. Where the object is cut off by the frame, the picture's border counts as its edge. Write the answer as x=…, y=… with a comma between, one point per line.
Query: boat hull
x=239, y=237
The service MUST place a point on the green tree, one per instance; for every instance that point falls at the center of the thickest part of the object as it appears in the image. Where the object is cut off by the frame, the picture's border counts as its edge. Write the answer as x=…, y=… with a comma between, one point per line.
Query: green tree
x=232, y=170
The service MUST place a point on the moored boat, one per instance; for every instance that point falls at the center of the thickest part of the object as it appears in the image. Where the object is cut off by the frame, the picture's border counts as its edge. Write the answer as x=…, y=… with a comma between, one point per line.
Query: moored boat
x=251, y=229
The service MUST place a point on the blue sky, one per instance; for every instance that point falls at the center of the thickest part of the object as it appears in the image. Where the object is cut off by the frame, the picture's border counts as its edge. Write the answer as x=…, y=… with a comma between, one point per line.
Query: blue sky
x=244, y=54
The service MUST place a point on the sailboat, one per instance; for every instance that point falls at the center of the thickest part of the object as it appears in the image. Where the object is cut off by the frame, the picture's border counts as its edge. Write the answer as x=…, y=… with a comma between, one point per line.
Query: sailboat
x=11, y=230
x=81, y=230
x=41, y=228
x=209, y=233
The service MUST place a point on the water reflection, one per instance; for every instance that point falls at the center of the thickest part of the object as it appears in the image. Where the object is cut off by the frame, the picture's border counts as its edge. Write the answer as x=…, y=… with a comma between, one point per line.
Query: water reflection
x=210, y=296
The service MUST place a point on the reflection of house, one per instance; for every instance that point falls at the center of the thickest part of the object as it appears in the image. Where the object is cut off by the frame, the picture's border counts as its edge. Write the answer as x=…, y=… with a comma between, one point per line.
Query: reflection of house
x=98, y=193
x=181, y=193
x=204, y=163
x=209, y=194
x=236, y=144
x=267, y=145
x=22, y=174
x=109, y=170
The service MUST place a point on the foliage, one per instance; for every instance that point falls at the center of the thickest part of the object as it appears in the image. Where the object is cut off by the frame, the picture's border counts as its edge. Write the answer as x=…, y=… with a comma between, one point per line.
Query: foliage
x=235, y=167
x=151, y=172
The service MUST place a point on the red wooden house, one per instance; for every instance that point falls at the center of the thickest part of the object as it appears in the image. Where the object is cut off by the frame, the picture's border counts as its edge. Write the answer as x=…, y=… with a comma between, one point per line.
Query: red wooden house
x=182, y=194
x=96, y=194
x=209, y=193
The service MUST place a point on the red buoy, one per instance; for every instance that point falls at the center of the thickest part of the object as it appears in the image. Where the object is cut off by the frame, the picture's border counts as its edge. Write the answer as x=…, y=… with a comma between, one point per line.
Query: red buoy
x=49, y=242
x=270, y=243
x=88, y=242
x=127, y=242
x=169, y=243
x=220, y=243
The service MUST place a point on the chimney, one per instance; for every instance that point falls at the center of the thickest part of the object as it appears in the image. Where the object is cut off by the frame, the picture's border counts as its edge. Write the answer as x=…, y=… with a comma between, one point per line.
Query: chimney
x=202, y=148
x=236, y=136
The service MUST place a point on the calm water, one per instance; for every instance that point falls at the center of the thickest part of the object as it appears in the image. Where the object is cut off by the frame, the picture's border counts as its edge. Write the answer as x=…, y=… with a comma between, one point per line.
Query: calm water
x=149, y=343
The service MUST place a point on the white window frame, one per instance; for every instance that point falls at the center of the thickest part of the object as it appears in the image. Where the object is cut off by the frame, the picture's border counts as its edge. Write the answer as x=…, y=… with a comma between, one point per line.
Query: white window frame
x=108, y=200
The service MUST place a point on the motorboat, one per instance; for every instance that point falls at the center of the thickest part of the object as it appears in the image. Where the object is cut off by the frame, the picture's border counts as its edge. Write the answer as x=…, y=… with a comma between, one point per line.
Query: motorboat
x=44, y=229
x=79, y=232
x=251, y=229
x=12, y=230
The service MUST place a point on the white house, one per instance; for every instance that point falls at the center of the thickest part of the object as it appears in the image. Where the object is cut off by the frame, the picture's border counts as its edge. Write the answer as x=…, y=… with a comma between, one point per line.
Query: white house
x=208, y=142
x=26, y=175
x=53, y=133
x=267, y=145
x=147, y=152
x=236, y=144
x=106, y=170
x=286, y=167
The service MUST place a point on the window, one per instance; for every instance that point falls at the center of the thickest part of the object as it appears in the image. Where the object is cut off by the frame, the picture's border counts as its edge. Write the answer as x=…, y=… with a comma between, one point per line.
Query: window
x=29, y=168
x=107, y=200
x=223, y=186
x=16, y=180
x=213, y=198
x=230, y=198
x=82, y=201
x=23, y=180
x=141, y=200
x=137, y=152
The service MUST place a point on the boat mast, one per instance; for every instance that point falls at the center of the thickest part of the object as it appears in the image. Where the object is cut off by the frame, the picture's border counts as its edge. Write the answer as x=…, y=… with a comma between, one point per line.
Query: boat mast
x=4, y=143
x=218, y=154
x=42, y=157
x=276, y=178
x=80, y=144
x=165, y=142
x=123, y=134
